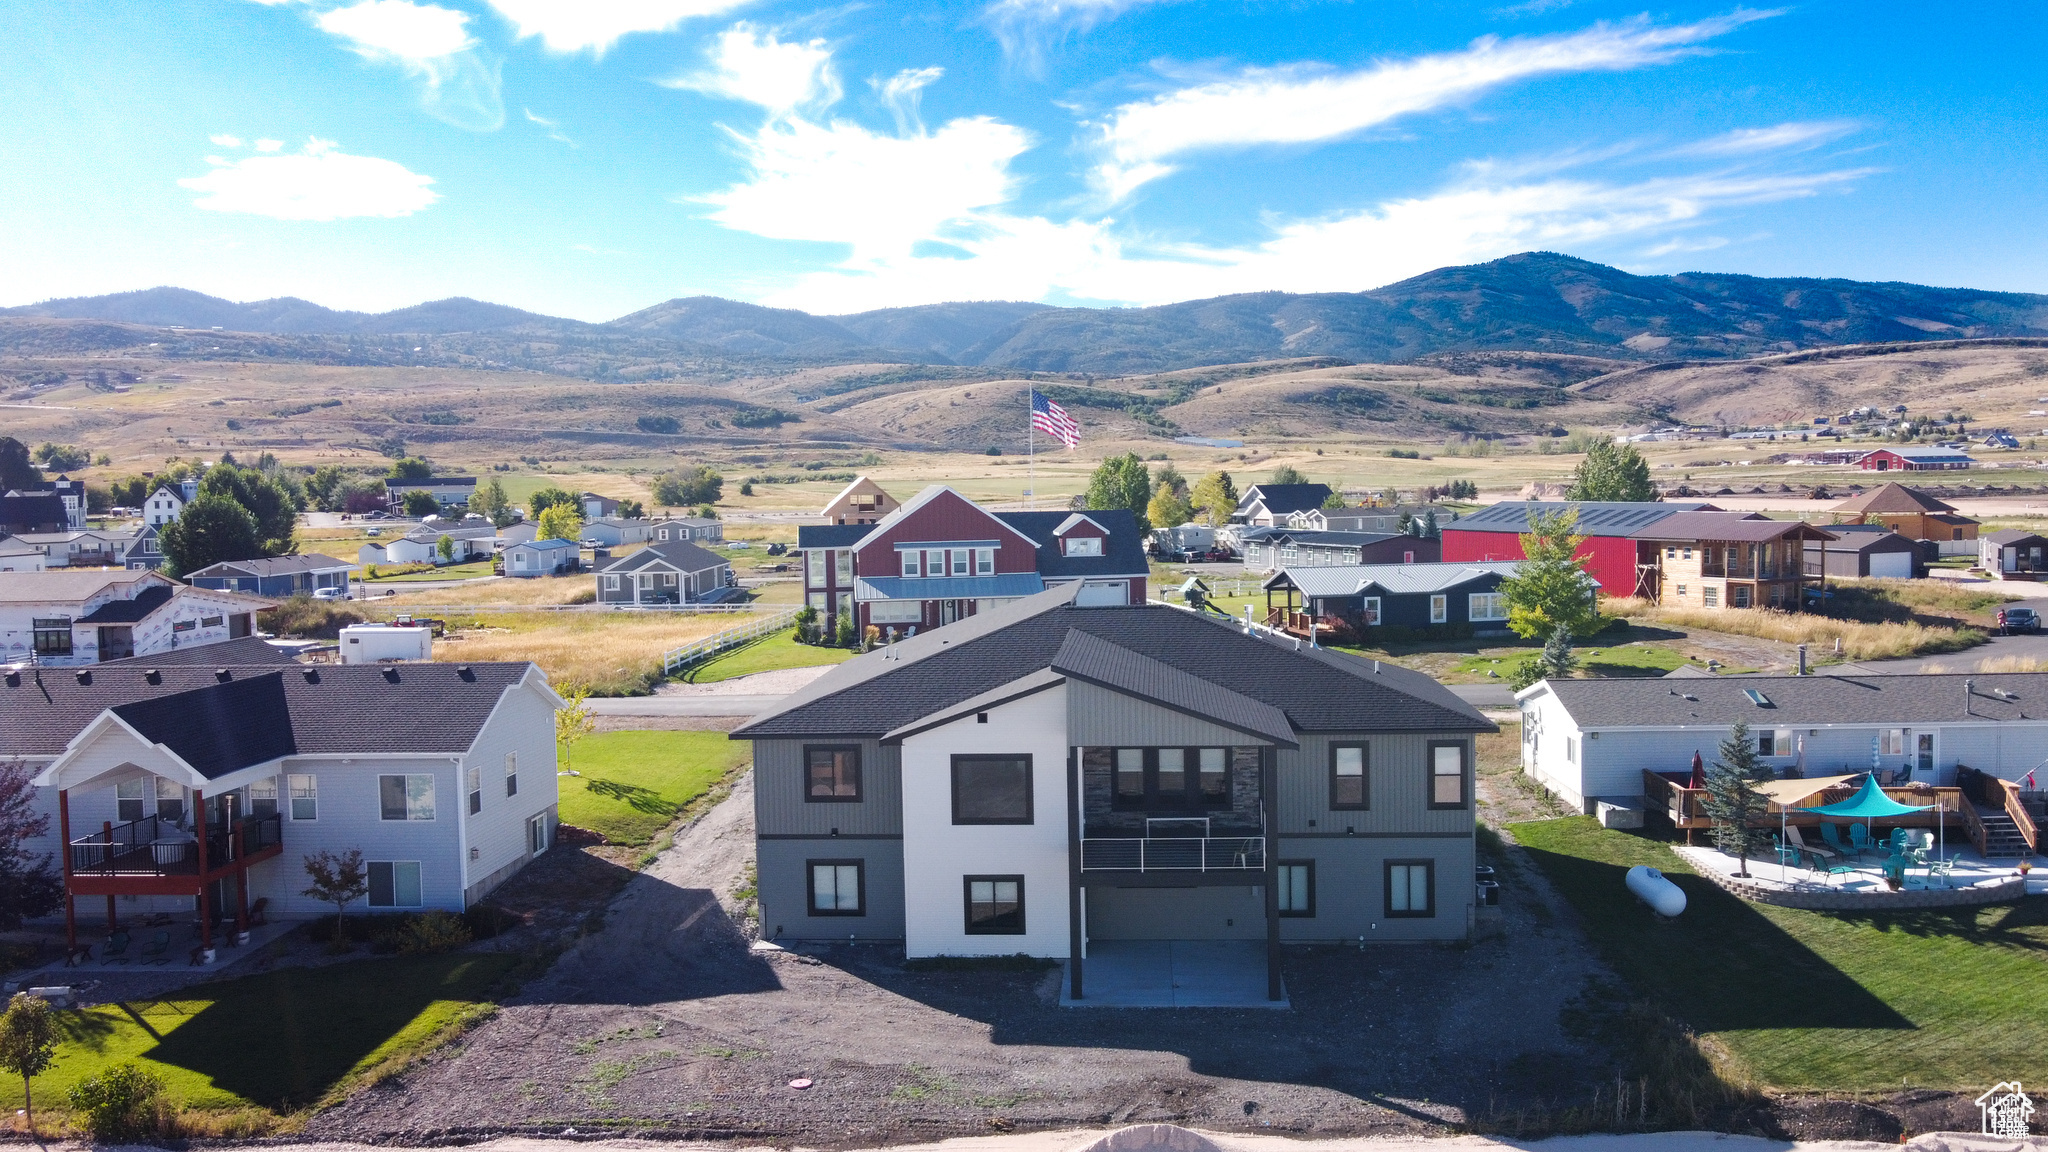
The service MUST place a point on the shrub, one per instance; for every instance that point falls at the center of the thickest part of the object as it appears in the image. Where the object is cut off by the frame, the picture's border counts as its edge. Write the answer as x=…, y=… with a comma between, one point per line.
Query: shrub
x=585, y=596
x=434, y=931
x=124, y=1102
x=665, y=425
x=307, y=618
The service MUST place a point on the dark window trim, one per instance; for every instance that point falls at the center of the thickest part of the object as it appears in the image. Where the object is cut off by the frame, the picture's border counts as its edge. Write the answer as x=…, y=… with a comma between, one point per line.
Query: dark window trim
x=859, y=775
x=1310, y=912
x=1464, y=775
x=860, y=884
x=1365, y=776
x=1030, y=791
x=1192, y=801
x=1387, y=889
x=967, y=905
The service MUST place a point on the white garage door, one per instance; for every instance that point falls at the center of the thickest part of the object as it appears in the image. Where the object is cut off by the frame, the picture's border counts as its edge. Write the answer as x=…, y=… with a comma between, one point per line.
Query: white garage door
x=1891, y=564
x=1096, y=593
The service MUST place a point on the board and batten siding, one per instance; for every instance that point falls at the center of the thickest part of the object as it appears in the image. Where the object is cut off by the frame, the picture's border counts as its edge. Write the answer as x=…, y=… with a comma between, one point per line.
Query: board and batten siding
x=1098, y=717
x=781, y=810
x=1397, y=775
x=1350, y=888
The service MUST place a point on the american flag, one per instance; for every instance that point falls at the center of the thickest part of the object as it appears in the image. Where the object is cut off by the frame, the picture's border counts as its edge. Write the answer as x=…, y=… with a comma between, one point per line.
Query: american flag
x=1053, y=420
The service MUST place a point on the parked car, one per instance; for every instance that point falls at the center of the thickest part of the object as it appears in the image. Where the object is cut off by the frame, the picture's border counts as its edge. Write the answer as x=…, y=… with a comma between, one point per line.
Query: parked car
x=330, y=593
x=373, y=532
x=2011, y=620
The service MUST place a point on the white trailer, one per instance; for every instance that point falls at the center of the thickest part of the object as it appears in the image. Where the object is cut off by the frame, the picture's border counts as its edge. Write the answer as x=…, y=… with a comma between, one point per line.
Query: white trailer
x=380, y=643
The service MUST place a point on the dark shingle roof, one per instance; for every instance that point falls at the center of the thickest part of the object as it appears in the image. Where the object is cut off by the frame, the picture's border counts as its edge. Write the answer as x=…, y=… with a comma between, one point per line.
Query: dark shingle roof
x=1894, y=497
x=1931, y=698
x=246, y=650
x=219, y=728
x=1316, y=690
x=273, y=566
x=831, y=535
x=683, y=555
x=1284, y=498
x=327, y=709
x=1123, y=554
x=2012, y=536
x=1748, y=527
x=130, y=611
x=1088, y=657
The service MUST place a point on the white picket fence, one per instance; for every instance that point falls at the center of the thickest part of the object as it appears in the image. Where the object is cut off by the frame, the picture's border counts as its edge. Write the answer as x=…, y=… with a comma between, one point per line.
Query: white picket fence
x=688, y=654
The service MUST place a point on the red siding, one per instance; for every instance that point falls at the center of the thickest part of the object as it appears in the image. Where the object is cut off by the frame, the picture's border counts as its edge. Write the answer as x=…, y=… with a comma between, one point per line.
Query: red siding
x=1610, y=560
x=946, y=517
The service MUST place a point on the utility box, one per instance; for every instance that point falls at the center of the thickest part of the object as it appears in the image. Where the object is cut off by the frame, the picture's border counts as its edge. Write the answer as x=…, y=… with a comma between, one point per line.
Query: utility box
x=383, y=643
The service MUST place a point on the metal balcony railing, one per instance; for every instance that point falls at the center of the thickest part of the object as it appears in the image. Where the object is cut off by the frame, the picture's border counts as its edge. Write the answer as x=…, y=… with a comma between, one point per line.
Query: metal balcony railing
x=1173, y=853
x=155, y=847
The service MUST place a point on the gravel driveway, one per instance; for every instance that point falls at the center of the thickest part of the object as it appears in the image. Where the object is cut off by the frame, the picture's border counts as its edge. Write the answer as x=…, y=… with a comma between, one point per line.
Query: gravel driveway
x=665, y=1022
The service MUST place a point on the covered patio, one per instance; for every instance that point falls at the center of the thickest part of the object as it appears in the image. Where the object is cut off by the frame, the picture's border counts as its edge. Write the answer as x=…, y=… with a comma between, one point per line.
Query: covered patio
x=1174, y=974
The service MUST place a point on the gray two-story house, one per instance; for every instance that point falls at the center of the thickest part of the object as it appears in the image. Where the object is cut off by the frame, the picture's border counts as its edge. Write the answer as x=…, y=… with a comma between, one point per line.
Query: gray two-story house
x=1044, y=777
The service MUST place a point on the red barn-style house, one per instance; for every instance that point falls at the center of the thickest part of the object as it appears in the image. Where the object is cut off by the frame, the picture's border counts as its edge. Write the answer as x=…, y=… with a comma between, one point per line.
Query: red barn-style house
x=1614, y=553
x=1914, y=460
x=941, y=557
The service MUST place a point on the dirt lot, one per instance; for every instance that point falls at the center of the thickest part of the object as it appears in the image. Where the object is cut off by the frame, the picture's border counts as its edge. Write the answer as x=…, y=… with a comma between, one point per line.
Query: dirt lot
x=665, y=1022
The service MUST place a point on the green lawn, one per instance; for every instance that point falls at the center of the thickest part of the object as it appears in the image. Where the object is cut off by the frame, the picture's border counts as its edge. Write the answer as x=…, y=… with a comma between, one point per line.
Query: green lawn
x=450, y=572
x=1619, y=660
x=633, y=783
x=1817, y=1001
x=274, y=1041
x=765, y=655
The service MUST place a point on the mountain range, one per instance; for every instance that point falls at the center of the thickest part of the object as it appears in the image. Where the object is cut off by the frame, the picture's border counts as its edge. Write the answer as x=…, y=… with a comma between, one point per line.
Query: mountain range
x=1533, y=301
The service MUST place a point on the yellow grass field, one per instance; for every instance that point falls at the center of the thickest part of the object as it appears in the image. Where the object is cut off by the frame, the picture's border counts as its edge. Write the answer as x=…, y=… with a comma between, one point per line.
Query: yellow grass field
x=1859, y=641
x=540, y=590
x=609, y=653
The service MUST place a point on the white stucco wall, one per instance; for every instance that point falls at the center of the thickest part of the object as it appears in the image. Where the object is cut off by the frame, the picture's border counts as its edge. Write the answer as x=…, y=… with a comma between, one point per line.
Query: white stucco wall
x=937, y=854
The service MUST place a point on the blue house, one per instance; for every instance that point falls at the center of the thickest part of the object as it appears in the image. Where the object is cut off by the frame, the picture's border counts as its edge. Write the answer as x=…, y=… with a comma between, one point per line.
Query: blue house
x=275, y=576
x=1418, y=596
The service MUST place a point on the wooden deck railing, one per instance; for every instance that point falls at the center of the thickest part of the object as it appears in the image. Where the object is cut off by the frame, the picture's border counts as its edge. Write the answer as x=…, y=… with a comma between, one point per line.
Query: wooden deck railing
x=1687, y=807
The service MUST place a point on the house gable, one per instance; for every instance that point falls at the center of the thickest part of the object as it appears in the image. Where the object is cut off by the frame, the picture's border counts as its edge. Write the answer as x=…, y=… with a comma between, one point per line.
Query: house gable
x=936, y=518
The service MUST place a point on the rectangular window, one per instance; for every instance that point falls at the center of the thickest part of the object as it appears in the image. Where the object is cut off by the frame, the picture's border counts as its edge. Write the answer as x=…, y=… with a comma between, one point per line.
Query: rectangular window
x=52, y=635
x=832, y=774
x=1893, y=742
x=128, y=800
x=170, y=801
x=1082, y=546
x=1446, y=775
x=1486, y=606
x=1297, y=887
x=305, y=795
x=537, y=834
x=1215, y=772
x=1411, y=888
x=1767, y=744
x=838, y=888
x=984, y=561
x=1742, y=597
x=1670, y=553
x=1130, y=778
x=611, y=583
x=842, y=568
x=263, y=797
x=394, y=884
x=814, y=569
x=1439, y=609
x=1173, y=772
x=935, y=562
x=1347, y=777
x=910, y=563
x=475, y=781
x=995, y=905
x=409, y=797
x=1571, y=750
x=992, y=789
x=1710, y=597
x=511, y=773
x=1372, y=610
x=962, y=559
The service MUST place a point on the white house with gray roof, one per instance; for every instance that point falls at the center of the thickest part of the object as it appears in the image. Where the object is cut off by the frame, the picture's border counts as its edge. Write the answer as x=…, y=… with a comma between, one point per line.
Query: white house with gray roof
x=65, y=618
x=1047, y=777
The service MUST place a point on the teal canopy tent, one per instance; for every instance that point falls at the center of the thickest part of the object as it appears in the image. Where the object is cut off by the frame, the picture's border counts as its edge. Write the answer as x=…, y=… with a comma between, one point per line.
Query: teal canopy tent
x=1870, y=803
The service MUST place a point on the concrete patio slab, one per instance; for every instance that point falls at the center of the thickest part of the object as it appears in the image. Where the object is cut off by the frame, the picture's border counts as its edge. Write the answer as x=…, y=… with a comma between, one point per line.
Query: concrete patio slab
x=1172, y=974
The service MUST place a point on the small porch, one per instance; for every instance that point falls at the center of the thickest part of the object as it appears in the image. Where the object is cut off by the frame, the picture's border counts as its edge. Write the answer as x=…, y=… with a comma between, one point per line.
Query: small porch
x=1175, y=974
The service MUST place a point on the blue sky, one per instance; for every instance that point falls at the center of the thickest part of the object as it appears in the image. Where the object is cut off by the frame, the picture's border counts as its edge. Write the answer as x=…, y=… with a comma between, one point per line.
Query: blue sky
x=591, y=157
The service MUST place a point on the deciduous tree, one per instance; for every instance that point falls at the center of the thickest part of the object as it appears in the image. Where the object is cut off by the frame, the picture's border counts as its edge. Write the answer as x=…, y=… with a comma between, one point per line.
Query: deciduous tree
x=490, y=503
x=1215, y=497
x=28, y=1044
x=410, y=468
x=337, y=879
x=211, y=529
x=699, y=484
x=420, y=502
x=561, y=522
x=16, y=469
x=29, y=883
x=1287, y=474
x=1122, y=482
x=1551, y=588
x=270, y=502
x=1612, y=471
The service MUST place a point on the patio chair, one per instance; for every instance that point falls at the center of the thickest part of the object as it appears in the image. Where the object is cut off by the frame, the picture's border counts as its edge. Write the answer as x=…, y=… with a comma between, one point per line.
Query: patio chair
x=116, y=949
x=1859, y=839
x=1944, y=870
x=1832, y=833
x=1835, y=870
x=1799, y=841
x=153, y=952
x=256, y=918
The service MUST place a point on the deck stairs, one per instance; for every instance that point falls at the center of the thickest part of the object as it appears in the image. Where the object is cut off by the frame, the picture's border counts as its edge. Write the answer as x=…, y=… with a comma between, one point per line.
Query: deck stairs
x=2002, y=839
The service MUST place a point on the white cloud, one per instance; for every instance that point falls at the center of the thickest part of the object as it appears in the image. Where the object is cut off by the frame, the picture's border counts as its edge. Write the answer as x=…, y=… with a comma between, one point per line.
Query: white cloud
x=269, y=145
x=553, y=127
x=1679, y=244
x=757, y=68
x=904, y=93
x=596, y=25
x=1027, y=29
x=399, y=29
x=1308, y=103
x=1017, y=258
x=318, y=182
x=1778, y=138
x=226, y=141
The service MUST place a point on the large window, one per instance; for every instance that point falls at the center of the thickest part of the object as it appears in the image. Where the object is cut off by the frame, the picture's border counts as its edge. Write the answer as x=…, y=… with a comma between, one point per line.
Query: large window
x=1486, y=606
x=838, y=888
x=511, y=773
x=170, y=801
x=128, y=800
x=814, y=567
x=995, y=905
x=1297, y=887
x=842, y=567
x=1082, y=545
x=832, y=774
x=394, y=884
x=1411, y=888
x=1169, y=779
x=263, y=797
x=992, y=789
x=1348, y=777
x=52, y=635
x=305, y=795
x=1446, y=775
x=474, y=782
x=408, y=797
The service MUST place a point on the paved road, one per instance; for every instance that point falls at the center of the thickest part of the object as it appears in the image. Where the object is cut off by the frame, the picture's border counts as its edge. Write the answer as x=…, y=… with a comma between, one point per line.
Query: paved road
x=2029, y=647
x=1484, y=695
x=707, y=705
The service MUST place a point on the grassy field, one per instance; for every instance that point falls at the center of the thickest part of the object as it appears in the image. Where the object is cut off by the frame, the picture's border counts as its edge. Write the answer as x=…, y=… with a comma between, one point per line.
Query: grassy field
x=633, y=783
x=467, y=571
x=270, y=1044
x=535, y=591
x=1615, y=660
x=610, y=653
x=765, y=655
x=1816, y=1001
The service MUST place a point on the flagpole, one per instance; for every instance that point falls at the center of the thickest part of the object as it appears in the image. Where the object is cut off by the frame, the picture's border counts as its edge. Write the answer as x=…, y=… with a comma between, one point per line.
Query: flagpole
x=1031, y=447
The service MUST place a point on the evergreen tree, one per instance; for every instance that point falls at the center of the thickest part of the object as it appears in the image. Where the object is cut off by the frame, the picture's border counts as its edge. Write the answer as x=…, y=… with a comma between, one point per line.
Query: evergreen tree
x=1612, y=471
x=16, y=469
x=1736, y=808
x=1551, y=588
x=490, y=503
x=1122, y=482
x=1334, y=501
x=1430, y=529
x=212, y=528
